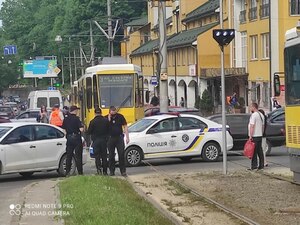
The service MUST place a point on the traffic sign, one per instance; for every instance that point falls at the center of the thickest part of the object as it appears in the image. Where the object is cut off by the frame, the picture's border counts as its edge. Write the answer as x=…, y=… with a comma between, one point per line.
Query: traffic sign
x=10, y=50
x=153, y=80
x=51, y=88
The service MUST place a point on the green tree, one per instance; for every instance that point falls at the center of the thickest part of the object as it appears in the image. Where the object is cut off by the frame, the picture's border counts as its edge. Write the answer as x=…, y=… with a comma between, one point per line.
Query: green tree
x=206, y=105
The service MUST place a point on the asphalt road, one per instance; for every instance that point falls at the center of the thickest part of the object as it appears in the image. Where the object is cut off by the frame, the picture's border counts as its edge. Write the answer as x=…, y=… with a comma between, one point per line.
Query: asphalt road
x=11, y=185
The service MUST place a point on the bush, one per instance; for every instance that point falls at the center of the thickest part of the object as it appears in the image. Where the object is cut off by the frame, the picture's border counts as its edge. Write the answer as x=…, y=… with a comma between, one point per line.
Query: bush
x=205, y=104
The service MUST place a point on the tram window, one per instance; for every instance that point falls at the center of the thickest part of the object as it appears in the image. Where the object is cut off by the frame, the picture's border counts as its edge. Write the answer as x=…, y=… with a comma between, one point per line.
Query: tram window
x=292, y=71
x=139, y=91
x=95, y=92
x=116, y=90
x=89, y=92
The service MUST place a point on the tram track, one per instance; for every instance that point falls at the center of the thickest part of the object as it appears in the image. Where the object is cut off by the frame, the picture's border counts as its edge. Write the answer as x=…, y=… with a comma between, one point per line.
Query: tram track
x=196, y=193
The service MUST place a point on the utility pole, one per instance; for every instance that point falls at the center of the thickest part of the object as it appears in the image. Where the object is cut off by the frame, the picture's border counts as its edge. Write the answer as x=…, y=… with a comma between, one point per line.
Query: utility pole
x=81, y=59
x=110, y=39
x=163, y=79
x=92, y=45
x=75, y=65
x=110, y=35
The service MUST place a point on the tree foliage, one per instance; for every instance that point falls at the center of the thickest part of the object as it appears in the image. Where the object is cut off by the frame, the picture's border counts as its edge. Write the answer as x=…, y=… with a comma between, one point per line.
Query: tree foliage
x=205, y=104
x=32, y=25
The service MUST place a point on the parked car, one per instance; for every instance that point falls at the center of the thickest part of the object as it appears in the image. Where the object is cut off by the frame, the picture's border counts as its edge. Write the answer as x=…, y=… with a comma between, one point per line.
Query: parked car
x=32, y=147
x=185, y=136
x=4, y=120
x=29, y=115
x=155, y=110
x=238, y=125
x=7, y=112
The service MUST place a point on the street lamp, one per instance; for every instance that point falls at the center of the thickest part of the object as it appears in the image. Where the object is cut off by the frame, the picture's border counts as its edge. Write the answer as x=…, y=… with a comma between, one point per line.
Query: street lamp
x=58, y=40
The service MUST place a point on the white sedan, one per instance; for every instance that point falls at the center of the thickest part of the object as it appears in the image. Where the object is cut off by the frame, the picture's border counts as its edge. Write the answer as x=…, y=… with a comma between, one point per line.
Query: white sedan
x=184, y=136
x=26, y=148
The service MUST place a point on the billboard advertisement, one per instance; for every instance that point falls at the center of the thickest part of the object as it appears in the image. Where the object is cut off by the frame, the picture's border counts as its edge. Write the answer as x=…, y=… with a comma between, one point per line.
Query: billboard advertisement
x=40, y=68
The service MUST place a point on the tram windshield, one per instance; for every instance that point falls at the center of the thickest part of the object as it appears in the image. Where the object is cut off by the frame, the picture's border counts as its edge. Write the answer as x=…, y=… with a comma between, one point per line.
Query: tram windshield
x=116, y=90
x=292, y=73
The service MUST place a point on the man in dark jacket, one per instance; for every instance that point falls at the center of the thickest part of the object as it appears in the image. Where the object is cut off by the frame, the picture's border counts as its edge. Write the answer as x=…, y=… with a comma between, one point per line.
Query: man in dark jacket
x=116, y=140
x=73, y=128
x=98, y=129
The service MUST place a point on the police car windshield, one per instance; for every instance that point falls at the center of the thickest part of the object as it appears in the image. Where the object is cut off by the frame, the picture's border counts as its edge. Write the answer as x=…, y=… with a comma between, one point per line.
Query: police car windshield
x=141, y=125
x=4, y=130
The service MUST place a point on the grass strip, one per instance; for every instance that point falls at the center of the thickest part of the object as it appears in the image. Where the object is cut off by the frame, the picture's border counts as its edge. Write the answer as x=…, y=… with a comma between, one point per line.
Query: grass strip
x=99, y=200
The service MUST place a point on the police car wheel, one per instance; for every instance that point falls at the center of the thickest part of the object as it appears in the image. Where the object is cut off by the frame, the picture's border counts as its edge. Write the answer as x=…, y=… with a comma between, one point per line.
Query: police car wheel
x=62, y=166
x=211, y=152
x=133, y=156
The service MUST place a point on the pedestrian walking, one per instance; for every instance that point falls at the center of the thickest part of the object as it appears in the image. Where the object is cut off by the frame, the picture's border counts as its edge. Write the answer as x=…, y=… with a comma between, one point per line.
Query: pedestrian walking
x=233, y=101
x=98, y=129
x=56, y=117
x=264, y=144
x=182, y=103
x=43, y=115
x=256, y=129
x=73, y=128
x=117, y=123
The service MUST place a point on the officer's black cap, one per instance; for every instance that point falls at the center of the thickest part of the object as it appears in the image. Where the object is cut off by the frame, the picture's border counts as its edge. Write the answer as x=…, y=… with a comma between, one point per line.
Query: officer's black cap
x=73, y=108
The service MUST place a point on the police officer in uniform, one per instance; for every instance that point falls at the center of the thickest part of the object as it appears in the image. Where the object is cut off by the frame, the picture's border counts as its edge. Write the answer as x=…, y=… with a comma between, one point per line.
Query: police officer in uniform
x=116, y=140
x=73, y=127
x=98, y=129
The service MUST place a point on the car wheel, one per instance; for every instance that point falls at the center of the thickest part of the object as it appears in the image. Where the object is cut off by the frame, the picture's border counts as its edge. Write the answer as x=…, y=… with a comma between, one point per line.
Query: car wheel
x=211, y=151
x=26, y=174
x=133, y=156
x=62, y=166
x=268, y=148
x=186, y=159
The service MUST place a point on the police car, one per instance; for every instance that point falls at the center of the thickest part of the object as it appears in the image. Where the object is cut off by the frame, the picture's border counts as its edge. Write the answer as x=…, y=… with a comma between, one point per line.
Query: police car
x=184, y=136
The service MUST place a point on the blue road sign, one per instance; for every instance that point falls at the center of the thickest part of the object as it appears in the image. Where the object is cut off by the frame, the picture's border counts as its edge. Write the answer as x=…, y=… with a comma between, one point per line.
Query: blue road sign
x=10, y=50
x=153, y=80
x=51, y=88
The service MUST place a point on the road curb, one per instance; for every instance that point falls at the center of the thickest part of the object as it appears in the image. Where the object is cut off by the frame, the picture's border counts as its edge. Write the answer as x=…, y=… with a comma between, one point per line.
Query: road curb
x=165, y=212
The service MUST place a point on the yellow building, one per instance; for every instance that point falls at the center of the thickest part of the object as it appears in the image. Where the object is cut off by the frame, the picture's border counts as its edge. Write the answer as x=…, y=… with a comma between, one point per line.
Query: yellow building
x=259, y=42
x=194, y=57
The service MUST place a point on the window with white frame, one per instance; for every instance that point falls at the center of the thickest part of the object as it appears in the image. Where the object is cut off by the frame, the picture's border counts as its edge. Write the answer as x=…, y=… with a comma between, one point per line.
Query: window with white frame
x=254, y=45
x=294, y=7
x=244, y=49
x=265, y=42
x=266, y=93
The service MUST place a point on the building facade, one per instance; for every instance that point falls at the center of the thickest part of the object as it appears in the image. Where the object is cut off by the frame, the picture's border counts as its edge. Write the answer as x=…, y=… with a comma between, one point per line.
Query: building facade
x=194, y=56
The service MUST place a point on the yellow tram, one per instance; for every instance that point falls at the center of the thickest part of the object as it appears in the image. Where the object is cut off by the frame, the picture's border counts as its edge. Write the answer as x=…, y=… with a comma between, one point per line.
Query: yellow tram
x=292, y=97
x=119, y=85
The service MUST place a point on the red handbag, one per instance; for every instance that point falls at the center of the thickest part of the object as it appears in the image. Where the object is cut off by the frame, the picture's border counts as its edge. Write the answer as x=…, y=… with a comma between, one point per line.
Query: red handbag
x=249, y=149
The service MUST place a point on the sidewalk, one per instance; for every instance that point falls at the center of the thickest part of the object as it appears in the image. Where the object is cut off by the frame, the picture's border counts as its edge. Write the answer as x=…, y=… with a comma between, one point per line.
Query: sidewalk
x=41, y=201
x=41, y=205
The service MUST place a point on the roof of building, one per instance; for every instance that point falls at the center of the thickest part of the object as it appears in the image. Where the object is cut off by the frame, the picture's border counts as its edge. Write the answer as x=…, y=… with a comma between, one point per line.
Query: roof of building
x=203, y=10
x=138, y=22
x=182, y=39
x=189, y=36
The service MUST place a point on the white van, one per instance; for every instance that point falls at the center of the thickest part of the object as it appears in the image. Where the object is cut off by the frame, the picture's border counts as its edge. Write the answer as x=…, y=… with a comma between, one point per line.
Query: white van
x=48, y=98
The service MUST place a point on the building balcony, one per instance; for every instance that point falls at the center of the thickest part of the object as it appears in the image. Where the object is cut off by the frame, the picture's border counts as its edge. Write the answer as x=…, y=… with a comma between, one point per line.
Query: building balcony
x=264, y=11
x=210, y=73
x=243, y=16
x=253, y=13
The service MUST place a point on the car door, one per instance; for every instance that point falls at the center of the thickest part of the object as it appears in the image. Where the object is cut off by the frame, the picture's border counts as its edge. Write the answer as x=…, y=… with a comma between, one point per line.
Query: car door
x=50, y=145
x=160, y=137
x=19, y=149
x=187, y=133
x=274, y=130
